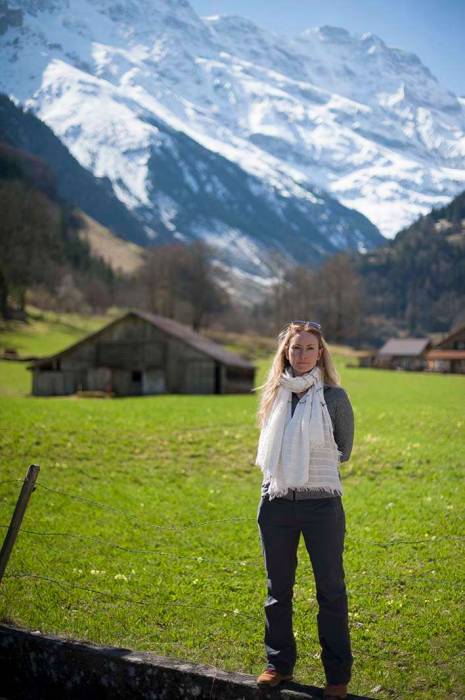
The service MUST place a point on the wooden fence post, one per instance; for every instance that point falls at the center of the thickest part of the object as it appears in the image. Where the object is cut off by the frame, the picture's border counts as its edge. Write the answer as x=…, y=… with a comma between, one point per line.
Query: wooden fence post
x=17, y=518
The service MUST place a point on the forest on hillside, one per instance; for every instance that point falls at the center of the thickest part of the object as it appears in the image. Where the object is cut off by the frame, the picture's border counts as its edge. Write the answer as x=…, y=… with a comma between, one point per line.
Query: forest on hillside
x=40, y=249
x=419, y=277
x=44, y=261
x=413, y=285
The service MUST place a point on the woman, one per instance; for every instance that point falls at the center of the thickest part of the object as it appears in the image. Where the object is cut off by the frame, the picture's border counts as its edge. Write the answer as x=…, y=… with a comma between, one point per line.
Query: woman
x=307, y=428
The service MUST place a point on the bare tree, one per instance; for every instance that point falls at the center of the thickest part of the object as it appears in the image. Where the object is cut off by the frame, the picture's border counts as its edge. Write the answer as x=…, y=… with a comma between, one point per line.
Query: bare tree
x=200, y=287
x=332, y=295
x=160, y=277
x=296, y=296
x=178, y=281
x=340, y=298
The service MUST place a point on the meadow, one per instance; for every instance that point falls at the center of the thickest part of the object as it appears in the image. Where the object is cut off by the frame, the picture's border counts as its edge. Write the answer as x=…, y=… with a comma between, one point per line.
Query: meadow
x=142, y=530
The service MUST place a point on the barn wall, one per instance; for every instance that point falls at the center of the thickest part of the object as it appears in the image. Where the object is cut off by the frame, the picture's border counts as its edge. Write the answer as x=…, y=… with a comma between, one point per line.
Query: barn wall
x=132, y=358
x=80, y=358
x=451, y=366
x=54, y=383
x=165, y=363
x=132, y=344
x=239, y=380
x=400, y=361
x=123, y=383
x=98, y=379
x=197, y=376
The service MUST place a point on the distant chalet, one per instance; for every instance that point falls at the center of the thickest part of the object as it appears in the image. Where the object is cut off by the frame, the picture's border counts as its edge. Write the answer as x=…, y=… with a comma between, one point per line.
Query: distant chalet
x=449, y=354
x=419, y=354
x=403, y=353
x=140, y=354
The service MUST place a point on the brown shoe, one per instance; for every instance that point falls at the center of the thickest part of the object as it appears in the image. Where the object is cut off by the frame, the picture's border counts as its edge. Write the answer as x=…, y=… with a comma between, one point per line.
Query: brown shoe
x=333, y=691
x=270, y=677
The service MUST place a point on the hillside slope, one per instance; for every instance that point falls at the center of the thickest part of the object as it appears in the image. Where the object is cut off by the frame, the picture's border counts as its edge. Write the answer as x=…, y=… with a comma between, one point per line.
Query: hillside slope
x=121, y=255
x=419, y=277
x=23, y=130
x=39, y=236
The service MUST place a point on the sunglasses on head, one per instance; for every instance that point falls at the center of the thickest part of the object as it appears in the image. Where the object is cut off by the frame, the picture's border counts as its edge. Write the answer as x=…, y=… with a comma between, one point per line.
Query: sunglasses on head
x=313, y=324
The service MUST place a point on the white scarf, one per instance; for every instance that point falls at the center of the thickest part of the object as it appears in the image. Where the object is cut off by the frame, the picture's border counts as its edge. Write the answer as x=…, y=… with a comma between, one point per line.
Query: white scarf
x=300, y=452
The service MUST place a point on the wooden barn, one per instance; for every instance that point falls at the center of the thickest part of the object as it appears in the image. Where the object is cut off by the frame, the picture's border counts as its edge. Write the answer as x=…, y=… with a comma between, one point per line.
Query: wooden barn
x=403, y=353
x=449, y=354
x=141, y=353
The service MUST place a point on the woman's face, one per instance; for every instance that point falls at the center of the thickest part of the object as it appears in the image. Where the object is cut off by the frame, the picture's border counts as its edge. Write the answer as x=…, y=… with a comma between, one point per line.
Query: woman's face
x=303, y=352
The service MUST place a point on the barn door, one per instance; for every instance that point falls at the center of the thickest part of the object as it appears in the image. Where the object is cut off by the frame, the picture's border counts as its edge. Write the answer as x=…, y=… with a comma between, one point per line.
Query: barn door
x=153, y=381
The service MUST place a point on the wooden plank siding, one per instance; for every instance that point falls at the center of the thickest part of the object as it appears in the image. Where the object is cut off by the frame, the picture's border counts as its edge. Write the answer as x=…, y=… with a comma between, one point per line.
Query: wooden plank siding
x=449, y=354
x=134, y=357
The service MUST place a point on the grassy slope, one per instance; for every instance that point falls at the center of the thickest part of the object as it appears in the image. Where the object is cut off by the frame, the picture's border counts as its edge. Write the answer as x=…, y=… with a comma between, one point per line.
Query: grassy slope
x=120, y=254
x=175, y=462
x=47, y=332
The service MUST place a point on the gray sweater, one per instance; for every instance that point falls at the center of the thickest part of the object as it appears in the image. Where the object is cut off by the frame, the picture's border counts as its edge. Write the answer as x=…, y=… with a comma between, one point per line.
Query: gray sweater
x=342, y=418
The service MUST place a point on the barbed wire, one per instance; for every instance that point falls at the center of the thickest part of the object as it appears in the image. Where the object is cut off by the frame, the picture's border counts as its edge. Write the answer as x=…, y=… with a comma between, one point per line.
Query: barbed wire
x=198, y=560
x=240, y=567
x=244, y=563
x=136, y=518
x=379, y=544
x=116, y=596
x=177, y=603
x=399, y=578
x=393, y=542
x=133, y=550
x=231, y=614
x=112, y=598
x=10, y=481
x=155, y=552
x=350, y=591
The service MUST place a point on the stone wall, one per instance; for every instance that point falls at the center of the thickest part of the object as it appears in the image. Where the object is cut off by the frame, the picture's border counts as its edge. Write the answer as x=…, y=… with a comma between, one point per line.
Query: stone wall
x=35, y=666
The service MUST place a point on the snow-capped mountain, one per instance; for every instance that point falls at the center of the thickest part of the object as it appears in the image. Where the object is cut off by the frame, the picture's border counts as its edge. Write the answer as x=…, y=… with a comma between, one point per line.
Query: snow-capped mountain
x=213, y=127
x=25, y=132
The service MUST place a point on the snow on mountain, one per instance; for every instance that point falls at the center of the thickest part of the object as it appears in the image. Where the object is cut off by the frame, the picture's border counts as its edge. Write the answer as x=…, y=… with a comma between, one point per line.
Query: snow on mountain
x=25, y=132
x=364, y=121
x=214, y=127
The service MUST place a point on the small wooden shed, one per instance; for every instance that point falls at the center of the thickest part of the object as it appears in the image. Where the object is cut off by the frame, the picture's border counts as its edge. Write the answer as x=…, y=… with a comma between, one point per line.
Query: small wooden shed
x=403, y=353
x=142, y=353
x=366, y=358
x=449, y=354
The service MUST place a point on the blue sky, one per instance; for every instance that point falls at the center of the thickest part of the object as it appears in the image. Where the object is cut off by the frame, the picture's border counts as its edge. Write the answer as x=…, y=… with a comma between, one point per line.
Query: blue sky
x=433, y=29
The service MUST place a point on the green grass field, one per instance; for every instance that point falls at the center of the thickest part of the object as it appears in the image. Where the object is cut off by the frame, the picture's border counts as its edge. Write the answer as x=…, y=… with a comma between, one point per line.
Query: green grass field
x=179, y=571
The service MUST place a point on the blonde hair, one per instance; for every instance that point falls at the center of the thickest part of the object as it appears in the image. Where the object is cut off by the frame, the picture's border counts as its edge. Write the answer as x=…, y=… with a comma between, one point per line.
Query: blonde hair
x=280, y=362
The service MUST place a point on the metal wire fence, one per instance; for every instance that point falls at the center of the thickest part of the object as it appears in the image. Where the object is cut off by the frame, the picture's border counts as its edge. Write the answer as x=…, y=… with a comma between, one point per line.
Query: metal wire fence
x=242, y=566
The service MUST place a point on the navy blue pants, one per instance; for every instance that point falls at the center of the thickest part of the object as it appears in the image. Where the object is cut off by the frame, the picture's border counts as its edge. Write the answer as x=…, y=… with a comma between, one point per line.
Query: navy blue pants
x=322, y=523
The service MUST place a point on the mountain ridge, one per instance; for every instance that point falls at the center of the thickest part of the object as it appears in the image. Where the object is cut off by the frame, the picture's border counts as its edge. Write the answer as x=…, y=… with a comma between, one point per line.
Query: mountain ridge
x=301, y=116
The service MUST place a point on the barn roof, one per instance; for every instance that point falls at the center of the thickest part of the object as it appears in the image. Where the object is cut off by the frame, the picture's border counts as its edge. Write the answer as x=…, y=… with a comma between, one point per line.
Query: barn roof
x=404, y=346
x=170, y=327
